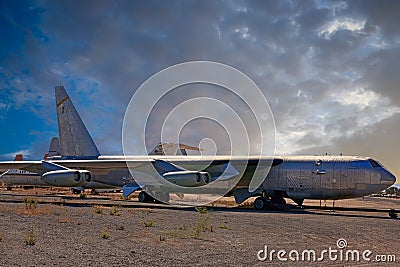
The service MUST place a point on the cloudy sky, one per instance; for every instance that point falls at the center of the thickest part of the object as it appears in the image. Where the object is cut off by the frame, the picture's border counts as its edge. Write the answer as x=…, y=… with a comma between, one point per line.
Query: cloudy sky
x=330, y=70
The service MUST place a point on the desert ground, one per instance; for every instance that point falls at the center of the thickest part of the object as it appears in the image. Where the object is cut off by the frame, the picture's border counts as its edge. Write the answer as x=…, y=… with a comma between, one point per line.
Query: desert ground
x=42, y=227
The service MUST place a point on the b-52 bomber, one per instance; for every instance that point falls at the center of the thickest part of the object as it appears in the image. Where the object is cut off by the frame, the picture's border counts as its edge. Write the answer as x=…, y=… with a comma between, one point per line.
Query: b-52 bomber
x=79, y=163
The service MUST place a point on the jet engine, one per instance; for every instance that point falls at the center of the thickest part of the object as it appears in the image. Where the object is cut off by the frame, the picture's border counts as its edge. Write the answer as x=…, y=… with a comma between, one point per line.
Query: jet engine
x=188, y=178
x=67, y=178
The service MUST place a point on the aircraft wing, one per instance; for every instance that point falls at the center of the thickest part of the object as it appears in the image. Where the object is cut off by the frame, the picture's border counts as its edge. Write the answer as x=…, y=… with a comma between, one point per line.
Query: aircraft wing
x=119, y=163
x=181, y=169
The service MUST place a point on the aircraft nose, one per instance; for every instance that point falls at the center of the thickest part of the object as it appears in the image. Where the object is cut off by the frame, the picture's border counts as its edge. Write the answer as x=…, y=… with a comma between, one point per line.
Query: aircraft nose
x=388, y=178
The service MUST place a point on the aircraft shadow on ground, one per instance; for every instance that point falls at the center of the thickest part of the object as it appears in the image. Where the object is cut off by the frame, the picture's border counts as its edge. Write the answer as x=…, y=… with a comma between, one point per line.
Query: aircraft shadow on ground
x=65, y=201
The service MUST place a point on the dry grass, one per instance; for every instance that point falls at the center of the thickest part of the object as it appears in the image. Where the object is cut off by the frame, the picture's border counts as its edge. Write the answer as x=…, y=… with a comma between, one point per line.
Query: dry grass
x=105, y=235
x=30, y=239
x=148, y=210
x=121, y=197
x=42, y=210
x=66, y=220
x=149, y=223
x=223, y=226
x=203, y=224
x=30, y=203
x=115, y=211
x=98, y=209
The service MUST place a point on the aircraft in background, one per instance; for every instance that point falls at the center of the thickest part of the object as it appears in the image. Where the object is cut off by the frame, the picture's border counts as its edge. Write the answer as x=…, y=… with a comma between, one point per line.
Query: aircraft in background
x=20, y=177
x=294, y=177
x=15, y=177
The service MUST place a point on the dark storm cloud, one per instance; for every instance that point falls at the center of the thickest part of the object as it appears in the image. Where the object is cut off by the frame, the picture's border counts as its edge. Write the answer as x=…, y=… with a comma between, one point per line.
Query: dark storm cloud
x=382, y=14
x=381, y=73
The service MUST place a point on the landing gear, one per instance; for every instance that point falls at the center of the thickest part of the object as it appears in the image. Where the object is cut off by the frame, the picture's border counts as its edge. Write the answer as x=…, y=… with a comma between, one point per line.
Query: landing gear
x=265, y=203
x=76, y=191
x=94, y=192
x=299, y=202
x=144, y=197
x=393, y=214
x=260, y=203
x=160, y=197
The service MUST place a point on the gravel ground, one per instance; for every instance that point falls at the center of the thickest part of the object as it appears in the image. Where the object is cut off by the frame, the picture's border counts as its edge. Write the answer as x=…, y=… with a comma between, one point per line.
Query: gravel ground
x=170, y=236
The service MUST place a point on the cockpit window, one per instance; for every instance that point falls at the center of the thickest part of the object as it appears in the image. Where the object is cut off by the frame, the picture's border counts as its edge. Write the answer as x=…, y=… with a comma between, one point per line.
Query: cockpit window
x=361, y=164
x=374, y=163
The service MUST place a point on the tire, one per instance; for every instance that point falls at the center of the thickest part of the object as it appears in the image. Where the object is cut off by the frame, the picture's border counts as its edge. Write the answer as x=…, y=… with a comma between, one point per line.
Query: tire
x=393, y=214
x=76, y=192
x=144, y=197
x=259, y=203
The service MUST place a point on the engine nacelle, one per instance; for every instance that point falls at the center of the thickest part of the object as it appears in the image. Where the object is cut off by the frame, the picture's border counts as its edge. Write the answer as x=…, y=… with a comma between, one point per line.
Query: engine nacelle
x=188, y=178
x=67, y=178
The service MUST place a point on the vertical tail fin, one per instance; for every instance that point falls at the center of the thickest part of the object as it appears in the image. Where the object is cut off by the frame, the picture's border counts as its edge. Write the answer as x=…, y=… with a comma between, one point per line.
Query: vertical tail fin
x=172, y=149
x=54, y=149
x=75, y=140
x=19, y=157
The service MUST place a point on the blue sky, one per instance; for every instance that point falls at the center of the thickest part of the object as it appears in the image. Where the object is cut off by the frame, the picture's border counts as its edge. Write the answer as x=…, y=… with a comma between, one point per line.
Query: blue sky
x=329, y=69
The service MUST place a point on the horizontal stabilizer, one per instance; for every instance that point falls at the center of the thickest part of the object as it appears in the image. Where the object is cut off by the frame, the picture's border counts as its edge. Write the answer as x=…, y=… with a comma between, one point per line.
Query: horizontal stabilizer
x=128, y=189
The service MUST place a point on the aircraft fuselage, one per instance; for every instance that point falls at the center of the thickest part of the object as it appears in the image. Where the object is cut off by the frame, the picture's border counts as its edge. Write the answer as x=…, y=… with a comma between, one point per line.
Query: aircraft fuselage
x=294, y=177
x=302, y=177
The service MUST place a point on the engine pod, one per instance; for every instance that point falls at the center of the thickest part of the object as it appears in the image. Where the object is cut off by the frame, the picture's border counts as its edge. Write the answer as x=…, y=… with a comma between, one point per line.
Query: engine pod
x=67, y=178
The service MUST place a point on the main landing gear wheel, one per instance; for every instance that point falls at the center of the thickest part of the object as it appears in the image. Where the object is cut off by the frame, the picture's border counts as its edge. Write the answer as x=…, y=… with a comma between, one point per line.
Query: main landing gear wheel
x=264, y=203
x=144, y=197
x=260, y=203
x=76, y=191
